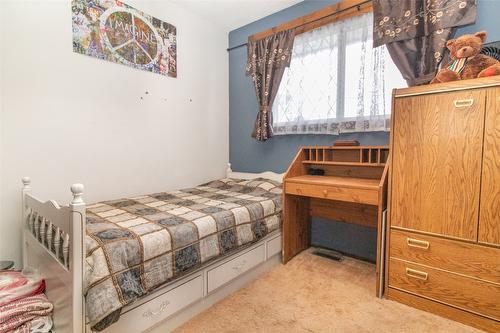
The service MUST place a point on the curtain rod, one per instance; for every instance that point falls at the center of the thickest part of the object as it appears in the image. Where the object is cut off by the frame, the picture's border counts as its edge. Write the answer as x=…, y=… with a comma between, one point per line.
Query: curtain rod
x=318, y=19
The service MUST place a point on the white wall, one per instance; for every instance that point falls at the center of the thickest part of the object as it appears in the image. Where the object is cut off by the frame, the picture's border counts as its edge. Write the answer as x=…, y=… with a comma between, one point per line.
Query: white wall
x=70, y=118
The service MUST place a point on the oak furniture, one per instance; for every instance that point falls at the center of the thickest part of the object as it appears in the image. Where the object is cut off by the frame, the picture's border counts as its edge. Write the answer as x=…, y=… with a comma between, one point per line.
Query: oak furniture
x=444, y=211
x=352, y=190
x=166, y=307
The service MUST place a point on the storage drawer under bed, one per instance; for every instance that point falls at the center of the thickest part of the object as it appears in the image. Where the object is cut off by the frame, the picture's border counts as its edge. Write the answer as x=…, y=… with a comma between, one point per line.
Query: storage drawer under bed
x=231, y=269
x=145, y=316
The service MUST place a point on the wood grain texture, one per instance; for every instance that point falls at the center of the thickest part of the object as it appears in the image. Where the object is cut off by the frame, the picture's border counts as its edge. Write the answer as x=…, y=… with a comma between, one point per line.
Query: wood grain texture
x=333, y=191
x=468, y=318
x=296, y=221
x=473, y=260
x=318, y=18
x=489, y=216
x=347, y=193
x=382, y=205
x=436, y=163
x=484, y=82
x=342, y=211
x=296, y=226
x=455, y=290
x=347, y=182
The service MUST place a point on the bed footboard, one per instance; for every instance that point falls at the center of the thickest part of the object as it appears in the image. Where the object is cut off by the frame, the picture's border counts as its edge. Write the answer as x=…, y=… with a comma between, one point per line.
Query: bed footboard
x=53, y=243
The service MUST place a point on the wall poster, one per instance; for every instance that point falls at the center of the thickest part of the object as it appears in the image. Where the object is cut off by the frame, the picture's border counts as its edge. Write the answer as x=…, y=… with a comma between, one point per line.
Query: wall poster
x=114, y=31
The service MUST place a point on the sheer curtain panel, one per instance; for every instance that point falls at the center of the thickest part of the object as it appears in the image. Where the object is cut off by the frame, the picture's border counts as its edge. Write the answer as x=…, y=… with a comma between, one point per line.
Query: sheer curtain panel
x=337, y=82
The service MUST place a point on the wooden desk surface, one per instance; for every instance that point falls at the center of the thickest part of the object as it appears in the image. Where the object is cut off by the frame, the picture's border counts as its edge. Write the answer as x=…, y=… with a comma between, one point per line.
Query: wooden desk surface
x=347, y=182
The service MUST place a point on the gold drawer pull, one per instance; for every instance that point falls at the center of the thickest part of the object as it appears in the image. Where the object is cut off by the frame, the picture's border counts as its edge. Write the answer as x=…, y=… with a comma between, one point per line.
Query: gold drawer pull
x=325, y=192
x=416, y=274
x=461, y=103
x=417, y=243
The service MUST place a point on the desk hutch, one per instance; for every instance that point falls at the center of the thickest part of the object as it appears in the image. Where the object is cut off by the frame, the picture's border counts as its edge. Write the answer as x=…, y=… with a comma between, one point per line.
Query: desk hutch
x=353, y=189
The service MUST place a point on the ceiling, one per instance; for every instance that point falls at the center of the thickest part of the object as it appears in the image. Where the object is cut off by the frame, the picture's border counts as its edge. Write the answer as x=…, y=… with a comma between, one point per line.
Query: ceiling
x=232, y=14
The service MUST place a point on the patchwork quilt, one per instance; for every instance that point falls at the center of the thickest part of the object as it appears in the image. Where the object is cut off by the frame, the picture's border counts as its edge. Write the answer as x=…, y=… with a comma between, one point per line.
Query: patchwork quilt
x=135, y=245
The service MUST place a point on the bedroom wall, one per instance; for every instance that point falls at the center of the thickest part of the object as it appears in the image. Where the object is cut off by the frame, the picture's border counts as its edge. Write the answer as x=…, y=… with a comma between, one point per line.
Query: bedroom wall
x=120, y=131
x=247, y=154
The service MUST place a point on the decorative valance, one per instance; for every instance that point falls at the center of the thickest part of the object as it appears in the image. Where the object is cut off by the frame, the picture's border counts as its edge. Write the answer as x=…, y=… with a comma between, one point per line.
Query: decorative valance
x=267, y=60
x=416, y=32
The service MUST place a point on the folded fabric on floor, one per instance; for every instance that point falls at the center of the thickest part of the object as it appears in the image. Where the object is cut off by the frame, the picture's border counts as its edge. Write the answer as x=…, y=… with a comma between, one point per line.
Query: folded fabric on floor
x=38, y=325
x=15, y=285
x=18, y=315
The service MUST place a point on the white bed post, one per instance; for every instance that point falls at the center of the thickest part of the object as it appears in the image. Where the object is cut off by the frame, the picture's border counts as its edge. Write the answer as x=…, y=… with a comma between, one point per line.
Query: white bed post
x=77, y=256
x=26, y=190
x=229, y=171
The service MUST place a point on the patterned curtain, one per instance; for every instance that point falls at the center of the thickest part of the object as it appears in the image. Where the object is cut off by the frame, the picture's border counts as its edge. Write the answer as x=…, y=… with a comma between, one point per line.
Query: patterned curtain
x=416, y=31
x=267, y=60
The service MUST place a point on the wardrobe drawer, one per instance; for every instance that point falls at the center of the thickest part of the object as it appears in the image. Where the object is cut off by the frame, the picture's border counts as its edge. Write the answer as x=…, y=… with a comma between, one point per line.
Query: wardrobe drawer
x=359, y=195
x=451, y=289
x=144, y=316
x=273, y=246
x=460, y=257
x=233, y=268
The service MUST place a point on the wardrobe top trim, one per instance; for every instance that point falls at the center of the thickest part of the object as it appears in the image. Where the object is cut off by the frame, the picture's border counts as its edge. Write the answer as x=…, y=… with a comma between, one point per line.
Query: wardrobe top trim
x=448, y=86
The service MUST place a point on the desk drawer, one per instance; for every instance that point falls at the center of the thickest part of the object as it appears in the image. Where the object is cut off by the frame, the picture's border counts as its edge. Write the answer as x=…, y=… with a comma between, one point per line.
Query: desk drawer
x=451, y=289
x=235, y=267
x=334, y=193
x=465, y=258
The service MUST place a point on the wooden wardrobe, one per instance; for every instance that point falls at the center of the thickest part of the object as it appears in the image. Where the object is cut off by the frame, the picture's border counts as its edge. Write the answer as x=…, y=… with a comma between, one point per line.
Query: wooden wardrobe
x=443, y=239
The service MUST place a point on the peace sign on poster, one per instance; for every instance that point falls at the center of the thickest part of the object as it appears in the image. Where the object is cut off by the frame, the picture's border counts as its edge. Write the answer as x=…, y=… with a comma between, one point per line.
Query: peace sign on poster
x=114, y=31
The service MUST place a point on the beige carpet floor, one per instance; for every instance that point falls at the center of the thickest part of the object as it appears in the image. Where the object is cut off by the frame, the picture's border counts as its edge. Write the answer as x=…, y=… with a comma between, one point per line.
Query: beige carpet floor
x=315, y=294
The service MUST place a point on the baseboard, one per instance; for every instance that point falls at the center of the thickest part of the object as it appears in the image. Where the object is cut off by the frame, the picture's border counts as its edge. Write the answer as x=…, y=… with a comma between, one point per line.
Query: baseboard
x=189, y=312
x=442, y=310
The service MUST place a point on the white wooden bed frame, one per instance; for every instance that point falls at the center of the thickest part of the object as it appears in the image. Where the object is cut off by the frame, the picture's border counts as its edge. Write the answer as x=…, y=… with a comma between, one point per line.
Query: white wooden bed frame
x=57, y=250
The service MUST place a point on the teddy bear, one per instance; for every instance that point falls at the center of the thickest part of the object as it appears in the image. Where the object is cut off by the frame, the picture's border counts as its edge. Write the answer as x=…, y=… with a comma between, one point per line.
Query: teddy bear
x=467, y=61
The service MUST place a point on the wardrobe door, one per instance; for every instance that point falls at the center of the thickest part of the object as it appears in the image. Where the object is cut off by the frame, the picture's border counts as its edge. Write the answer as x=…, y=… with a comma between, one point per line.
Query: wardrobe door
x=489, y=218
x=436, y=170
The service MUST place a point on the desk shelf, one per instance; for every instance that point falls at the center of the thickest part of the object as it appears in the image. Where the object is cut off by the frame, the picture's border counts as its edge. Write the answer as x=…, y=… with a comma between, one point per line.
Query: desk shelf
x=358, y=155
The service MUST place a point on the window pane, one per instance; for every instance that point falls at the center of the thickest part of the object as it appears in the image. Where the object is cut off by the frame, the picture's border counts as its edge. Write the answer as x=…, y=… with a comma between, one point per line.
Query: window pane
x=308, y=90
x=392, y=78
x=335, y=77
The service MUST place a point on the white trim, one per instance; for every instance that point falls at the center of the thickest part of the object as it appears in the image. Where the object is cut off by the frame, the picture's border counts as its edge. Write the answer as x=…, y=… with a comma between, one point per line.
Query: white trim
x=248, y=175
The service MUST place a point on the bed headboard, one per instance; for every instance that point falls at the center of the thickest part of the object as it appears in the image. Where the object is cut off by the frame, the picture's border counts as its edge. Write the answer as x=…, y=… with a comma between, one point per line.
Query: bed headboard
x=248, y=175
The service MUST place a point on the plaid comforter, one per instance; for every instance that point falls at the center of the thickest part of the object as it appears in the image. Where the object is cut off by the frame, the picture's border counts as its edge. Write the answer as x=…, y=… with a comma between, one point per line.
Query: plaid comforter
x=135, y=245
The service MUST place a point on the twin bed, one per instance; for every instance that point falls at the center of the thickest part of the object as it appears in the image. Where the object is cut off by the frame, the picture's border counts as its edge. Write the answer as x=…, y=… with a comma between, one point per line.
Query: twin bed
x=152, y=258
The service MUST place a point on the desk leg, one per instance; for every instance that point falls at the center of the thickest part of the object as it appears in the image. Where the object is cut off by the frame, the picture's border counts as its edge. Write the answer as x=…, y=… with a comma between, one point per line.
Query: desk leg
x=296, y=226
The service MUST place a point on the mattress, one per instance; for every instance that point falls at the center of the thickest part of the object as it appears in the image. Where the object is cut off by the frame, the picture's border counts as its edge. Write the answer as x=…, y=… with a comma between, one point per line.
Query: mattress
x=135, y=245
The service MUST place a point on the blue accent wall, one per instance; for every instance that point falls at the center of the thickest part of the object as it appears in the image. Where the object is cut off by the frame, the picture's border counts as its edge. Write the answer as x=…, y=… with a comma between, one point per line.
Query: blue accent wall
x=247, y=154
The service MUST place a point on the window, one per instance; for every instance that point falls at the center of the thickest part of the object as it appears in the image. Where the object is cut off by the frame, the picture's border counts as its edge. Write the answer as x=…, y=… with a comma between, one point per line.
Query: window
x=336, y=82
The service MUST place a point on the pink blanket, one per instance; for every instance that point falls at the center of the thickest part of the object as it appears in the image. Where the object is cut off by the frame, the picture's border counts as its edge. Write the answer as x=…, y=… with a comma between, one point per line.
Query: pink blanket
x=18, y=315
x=15, y=285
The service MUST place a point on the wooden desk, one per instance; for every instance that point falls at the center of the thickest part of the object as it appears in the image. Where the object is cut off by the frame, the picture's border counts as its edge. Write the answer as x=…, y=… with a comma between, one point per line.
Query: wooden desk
x=353, y=190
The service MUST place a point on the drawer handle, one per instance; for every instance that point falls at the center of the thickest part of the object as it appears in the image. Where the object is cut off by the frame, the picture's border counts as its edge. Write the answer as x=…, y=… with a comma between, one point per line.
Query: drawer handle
x=416, y=274
x=461, y=103
x=325, y=192
x=161, y=308
x=239, y=267
x=417, y=243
